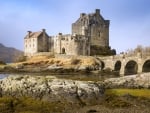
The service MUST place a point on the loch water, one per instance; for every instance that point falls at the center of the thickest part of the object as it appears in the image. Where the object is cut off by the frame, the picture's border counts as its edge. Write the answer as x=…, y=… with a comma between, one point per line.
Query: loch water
x=82, y=77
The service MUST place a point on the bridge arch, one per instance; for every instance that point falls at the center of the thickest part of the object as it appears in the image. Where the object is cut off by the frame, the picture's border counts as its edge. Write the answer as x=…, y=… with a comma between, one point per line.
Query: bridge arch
x=146, y=66
x=131, y=67
x=117, y=66
x=102, y=65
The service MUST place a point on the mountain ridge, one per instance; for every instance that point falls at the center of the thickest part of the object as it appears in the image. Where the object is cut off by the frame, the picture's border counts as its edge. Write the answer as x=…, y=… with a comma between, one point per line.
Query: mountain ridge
x=9, y=54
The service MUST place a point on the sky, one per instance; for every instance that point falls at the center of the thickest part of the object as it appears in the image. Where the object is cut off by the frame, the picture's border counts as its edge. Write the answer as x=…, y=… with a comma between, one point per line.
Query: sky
x=129, y=19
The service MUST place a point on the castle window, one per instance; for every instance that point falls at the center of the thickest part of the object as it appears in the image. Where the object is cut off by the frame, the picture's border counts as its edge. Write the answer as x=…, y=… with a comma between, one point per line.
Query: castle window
x=99, y=34
x=63, y=39
x=63, y=51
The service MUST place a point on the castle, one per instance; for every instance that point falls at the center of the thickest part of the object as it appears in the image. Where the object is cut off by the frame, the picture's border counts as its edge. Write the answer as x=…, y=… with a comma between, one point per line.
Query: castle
x=90, y=36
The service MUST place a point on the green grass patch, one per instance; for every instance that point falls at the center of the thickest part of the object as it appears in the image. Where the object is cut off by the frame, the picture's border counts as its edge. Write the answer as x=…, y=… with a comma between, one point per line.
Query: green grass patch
x=133, y=92
x=30, y=105
x=119, y=98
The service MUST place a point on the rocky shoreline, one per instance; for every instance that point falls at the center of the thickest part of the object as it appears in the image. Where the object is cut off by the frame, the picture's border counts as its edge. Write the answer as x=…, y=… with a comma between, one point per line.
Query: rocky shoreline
x=54, y=89
x=72, y=96
x=132, y=81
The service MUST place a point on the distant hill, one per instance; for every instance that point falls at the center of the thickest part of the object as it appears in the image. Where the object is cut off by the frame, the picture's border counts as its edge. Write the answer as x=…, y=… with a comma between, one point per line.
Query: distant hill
x=9, y=54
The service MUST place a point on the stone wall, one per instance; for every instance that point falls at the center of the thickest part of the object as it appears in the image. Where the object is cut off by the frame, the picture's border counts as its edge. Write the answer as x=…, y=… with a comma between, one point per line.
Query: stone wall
x=71, y=45
x=93, y=25
x=51, y=44
x=43, y=54
x=43, y=43
x=71, y=56
x=30, y=46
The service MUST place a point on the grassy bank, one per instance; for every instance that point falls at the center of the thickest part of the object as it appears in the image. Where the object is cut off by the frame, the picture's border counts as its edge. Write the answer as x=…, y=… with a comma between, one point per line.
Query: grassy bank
x=133, y=92
x=30, y=105
x=114, y=101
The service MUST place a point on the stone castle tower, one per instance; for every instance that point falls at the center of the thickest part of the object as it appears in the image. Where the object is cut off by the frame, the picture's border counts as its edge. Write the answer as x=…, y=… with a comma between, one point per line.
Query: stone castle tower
x=96, y=28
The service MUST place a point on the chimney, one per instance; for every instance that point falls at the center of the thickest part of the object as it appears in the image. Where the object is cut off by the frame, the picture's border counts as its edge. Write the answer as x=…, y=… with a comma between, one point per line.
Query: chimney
x=59, y=33
x=97, y=11
x=82, y=14
x=43, y=30
x=29, y=32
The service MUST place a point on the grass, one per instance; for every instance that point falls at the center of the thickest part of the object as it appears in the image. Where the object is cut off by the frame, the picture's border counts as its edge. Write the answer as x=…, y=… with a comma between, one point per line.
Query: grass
x=133, y=92
x=127, y=98
x=113, y=102
x=30, y=105
x=2, y=66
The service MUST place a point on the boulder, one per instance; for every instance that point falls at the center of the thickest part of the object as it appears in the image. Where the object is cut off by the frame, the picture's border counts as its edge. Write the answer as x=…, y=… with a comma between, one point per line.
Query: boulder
x=19, y=66
x=54, y=67
x=132, y=81
x=52, y=89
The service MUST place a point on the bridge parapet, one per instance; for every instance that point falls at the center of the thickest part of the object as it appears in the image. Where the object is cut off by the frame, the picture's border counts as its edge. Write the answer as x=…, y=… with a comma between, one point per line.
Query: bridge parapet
x=127, y=62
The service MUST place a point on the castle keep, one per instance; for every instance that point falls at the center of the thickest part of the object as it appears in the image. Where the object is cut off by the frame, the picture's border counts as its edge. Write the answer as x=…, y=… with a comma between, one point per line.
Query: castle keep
x=90, y=36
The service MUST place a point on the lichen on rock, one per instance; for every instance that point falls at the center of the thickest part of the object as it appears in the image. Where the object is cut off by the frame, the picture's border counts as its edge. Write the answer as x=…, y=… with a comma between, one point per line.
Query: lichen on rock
x=52, y=89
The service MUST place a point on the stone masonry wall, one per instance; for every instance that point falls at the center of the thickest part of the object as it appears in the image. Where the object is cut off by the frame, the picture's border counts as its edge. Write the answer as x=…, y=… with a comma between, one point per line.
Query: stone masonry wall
x=71, y=45
x=30, y=46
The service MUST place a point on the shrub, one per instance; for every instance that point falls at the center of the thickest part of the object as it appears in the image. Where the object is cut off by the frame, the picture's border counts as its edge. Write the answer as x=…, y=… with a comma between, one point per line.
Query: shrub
x=75, y=61
x=2, y=63
x=21, y=59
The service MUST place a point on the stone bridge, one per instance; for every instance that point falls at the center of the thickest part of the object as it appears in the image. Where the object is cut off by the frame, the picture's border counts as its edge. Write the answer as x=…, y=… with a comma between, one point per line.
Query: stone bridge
x=127, y=65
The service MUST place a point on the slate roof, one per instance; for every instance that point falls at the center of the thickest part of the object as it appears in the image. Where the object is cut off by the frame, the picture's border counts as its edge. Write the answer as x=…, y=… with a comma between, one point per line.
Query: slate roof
x=34, y=34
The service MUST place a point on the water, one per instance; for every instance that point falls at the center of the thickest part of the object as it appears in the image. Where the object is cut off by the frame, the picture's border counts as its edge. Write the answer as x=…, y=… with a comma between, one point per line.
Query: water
x=3, y=76
x=82, y=77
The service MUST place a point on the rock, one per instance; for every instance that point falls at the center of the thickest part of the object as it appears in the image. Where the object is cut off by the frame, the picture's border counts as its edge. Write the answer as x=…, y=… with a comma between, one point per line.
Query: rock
x=54, y=67
x=19, y=66
x=82, y=67
x=52, y=89
x=132, y=81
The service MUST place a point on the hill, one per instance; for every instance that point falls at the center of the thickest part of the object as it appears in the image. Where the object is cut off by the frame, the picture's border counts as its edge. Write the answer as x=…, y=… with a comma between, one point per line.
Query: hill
x=9, y=54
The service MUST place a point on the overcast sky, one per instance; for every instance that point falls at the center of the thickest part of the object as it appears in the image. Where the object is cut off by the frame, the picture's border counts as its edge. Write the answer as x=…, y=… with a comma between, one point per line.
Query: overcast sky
x=129, y=19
